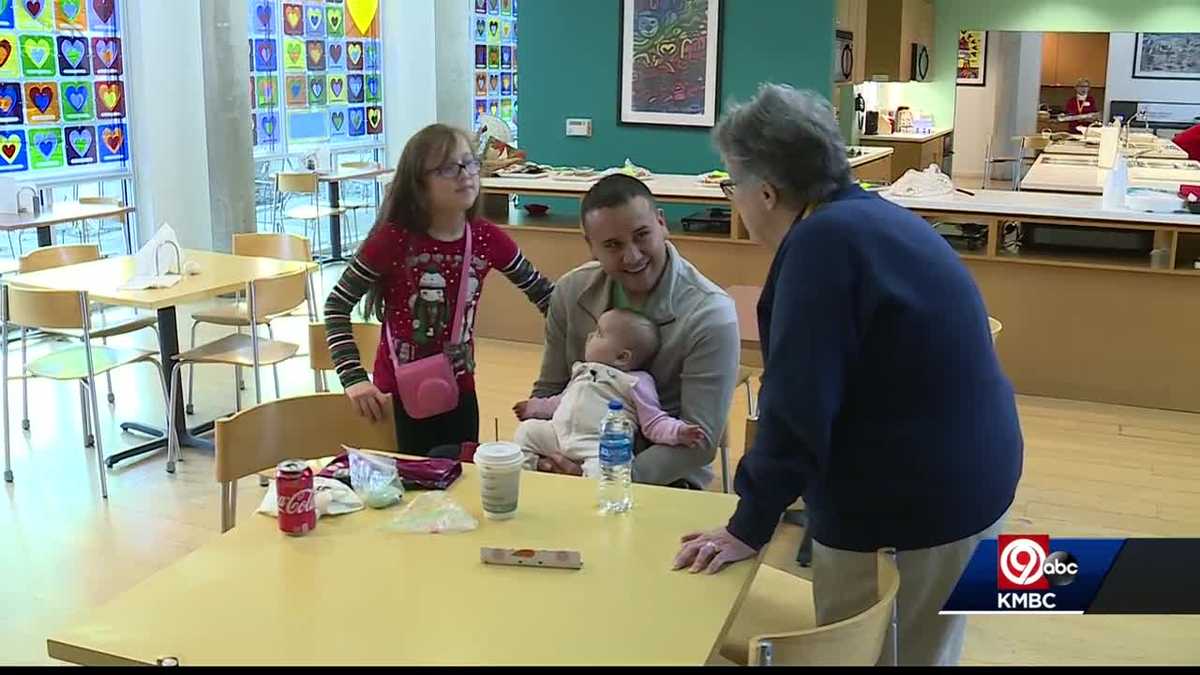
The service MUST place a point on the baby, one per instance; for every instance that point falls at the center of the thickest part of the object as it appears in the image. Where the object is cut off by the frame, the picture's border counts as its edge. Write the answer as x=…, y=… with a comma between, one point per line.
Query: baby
x=622, y=344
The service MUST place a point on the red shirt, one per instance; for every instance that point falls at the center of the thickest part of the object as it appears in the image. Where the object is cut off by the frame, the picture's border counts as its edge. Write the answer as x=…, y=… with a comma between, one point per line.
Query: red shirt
x=1189, y=140
x=1074, y=107
x=419, y=276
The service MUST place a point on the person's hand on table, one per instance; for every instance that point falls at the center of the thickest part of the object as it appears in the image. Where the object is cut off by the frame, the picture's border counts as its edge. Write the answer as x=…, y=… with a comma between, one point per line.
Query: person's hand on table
x=369, y=401
x=709, y=552
x=559, y=463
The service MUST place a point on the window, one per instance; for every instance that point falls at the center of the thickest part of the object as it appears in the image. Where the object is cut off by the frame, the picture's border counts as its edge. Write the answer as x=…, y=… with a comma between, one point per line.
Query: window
x=494, y=40
x=316, y=75
x=62, y=89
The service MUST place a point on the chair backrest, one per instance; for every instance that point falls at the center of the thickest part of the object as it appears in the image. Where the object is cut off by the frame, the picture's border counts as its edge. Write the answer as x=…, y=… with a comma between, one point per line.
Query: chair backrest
x=359, y=165
x=37, y=308
x=272, y=245
x=49, y=257
x=366, y=337
x=105, y=201
x=299, y=182
x=855, y=641
x=302, y=427
x=995, y=326
x=278, y=294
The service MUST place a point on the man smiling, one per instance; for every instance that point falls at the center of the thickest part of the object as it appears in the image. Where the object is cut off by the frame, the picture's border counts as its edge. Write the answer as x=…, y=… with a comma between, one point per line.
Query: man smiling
x=636, y=268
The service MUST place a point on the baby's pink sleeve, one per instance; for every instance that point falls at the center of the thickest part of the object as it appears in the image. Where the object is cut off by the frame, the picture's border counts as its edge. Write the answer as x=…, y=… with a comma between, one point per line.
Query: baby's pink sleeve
x=542, y=408
x=657, y=426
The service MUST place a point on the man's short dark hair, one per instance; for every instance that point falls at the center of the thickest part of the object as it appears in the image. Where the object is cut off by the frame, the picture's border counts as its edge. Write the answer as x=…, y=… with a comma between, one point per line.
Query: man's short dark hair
x=616, y=189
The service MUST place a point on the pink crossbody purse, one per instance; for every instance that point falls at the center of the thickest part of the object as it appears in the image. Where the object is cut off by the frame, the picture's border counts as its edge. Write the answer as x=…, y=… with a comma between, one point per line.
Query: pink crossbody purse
x=427, y=387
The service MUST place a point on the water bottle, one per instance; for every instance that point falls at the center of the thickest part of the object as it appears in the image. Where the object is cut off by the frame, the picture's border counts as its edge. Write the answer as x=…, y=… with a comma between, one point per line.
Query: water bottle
x=616, y=460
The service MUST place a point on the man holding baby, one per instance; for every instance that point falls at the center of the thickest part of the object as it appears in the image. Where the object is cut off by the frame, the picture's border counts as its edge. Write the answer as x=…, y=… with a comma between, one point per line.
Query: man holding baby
x=694, y=362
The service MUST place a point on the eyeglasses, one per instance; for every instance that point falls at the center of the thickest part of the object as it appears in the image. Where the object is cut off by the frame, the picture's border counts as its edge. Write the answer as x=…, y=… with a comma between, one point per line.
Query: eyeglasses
x=453, y=169
x=727, y=187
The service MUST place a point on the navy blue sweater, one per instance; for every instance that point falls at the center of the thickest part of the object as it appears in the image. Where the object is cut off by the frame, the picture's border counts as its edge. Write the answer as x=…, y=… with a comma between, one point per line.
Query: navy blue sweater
x=882, y=402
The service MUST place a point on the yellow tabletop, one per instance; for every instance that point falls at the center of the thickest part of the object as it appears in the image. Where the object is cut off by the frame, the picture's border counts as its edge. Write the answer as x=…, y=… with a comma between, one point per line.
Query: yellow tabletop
x=352, y=593
x=219, y=273
x=349, y=173
x=64, y=212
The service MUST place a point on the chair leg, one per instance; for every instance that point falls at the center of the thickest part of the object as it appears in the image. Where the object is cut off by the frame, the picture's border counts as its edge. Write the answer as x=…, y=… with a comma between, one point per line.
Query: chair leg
x=173, y=449
x=241, y=381
x=751, y=404
x=238, y=386
x=90, y=384
x=191, y=372
x=724, y=449
x=274, y=366
x=88, y=438
x=24, y=387
x=8, y=473
x=112, y=398
x=226, y=515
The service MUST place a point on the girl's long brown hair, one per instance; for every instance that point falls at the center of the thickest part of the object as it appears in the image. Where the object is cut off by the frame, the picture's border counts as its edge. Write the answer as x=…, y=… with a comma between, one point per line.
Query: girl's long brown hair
x=405, y=204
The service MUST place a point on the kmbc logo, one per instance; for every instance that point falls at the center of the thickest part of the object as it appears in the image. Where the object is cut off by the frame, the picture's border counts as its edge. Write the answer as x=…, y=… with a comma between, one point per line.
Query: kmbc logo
x=1025, y=563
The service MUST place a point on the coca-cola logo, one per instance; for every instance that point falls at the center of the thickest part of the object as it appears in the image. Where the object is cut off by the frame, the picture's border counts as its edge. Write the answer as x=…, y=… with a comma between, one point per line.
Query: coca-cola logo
x=300, y=502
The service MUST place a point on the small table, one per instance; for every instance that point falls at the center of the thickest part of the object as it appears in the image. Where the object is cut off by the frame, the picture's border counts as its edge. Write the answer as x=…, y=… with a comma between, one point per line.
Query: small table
x=63, y=212
x=334, y=180
x=352, y=593
x=220, y=273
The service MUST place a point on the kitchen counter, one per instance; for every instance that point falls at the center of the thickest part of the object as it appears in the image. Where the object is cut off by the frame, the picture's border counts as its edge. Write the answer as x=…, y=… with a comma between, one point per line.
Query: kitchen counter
x=1080, y=174
x=1166, y=150
x=907, y=137
x=1079, y=207
x=870, y=154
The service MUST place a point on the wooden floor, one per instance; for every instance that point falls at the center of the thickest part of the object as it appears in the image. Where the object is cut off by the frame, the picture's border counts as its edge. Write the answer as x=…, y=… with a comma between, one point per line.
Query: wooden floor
x=1090, y=470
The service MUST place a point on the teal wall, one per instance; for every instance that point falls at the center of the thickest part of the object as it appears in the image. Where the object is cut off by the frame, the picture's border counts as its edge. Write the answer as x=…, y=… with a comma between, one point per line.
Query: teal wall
x=1179, y=16
x=569, y=56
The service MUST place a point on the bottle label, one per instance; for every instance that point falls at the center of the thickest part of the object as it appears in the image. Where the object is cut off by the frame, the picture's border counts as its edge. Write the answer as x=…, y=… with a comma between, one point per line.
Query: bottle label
x=617, y=450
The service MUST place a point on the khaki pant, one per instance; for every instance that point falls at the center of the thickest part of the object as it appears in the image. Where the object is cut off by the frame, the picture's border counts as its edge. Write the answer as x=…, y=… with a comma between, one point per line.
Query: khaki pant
x=845, y=583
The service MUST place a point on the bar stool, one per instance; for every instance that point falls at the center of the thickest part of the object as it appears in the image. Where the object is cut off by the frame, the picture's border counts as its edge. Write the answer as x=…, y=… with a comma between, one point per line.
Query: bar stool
x=301, y=183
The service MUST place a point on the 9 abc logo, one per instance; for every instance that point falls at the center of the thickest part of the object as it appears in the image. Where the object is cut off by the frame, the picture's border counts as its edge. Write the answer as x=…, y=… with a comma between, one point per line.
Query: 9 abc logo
x=1025, y=563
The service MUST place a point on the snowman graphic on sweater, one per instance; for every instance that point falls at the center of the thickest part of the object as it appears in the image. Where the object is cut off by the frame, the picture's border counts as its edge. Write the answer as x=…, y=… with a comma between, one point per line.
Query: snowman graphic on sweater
x=428, y=307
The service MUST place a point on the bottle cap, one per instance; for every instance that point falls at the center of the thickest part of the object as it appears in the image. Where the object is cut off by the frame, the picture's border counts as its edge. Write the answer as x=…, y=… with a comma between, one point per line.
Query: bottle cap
x=616, y=405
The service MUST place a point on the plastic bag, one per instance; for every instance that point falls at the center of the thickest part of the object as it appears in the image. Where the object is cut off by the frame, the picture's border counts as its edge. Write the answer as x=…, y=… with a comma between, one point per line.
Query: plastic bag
x=433, y=513
x=375, y=479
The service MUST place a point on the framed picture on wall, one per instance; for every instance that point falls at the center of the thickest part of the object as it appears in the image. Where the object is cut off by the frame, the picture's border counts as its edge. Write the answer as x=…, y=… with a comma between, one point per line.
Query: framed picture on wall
x=972, y=58
x=670, y=61
x=1166, y=56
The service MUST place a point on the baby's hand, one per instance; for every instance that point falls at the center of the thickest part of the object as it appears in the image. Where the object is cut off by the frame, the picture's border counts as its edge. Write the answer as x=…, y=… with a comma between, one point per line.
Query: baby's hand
x=692, y=436
x=519, y=410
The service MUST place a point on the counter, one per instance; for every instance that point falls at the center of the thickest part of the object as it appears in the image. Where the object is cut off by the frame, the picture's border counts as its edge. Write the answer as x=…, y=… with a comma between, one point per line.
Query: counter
x=1076, y=326
x=1166, y=149
x=913, y=151
x=1081, y=174
x=907, y=137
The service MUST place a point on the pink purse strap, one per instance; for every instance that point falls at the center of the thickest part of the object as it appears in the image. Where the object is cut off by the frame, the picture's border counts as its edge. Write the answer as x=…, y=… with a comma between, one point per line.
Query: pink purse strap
x=456, y=330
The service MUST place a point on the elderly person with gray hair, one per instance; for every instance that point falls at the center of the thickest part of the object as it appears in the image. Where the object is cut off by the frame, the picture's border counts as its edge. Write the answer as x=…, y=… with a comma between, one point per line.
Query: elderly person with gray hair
x=883, y=403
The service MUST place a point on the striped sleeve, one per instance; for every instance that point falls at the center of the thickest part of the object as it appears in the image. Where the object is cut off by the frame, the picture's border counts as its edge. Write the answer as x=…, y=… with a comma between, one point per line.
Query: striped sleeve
x=529, y=281
x=339, y=333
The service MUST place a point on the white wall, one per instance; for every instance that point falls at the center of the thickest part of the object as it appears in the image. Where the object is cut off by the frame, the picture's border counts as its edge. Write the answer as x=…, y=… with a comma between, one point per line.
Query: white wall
x=975, y=115
x=410, y=71
x=1119, y=84
x=169, y=141
x=455, y=64
x=1029, y=83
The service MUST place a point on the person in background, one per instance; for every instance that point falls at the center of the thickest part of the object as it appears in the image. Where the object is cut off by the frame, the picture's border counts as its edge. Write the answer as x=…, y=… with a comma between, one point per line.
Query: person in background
x=410, y=269
x=1189, y=141
x=883, y=402
x=1082, y=102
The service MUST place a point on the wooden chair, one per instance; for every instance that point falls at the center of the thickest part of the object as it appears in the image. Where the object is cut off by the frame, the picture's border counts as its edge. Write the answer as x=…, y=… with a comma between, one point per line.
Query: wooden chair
x=289, y=183
x=366, y=337
x=122, y=221
x=50, y=257
x=65, y=310
x=776, y=624
x=303, y=427
x=354, y=207
x=266, y=297
x=280, y=246
x=744, y=376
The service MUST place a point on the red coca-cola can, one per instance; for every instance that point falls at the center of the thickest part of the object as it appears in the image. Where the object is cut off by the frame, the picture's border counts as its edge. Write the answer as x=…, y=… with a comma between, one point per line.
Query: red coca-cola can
x=297, y=503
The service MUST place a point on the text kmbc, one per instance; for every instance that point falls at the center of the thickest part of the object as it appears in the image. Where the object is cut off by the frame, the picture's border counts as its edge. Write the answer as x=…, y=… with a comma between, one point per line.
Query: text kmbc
x=1025, y=563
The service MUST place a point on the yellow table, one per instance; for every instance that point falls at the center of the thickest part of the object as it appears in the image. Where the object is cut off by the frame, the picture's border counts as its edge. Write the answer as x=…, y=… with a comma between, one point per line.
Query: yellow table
x=219, y=273
x=334, y=180
x=351, y=593
x=63, y=212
